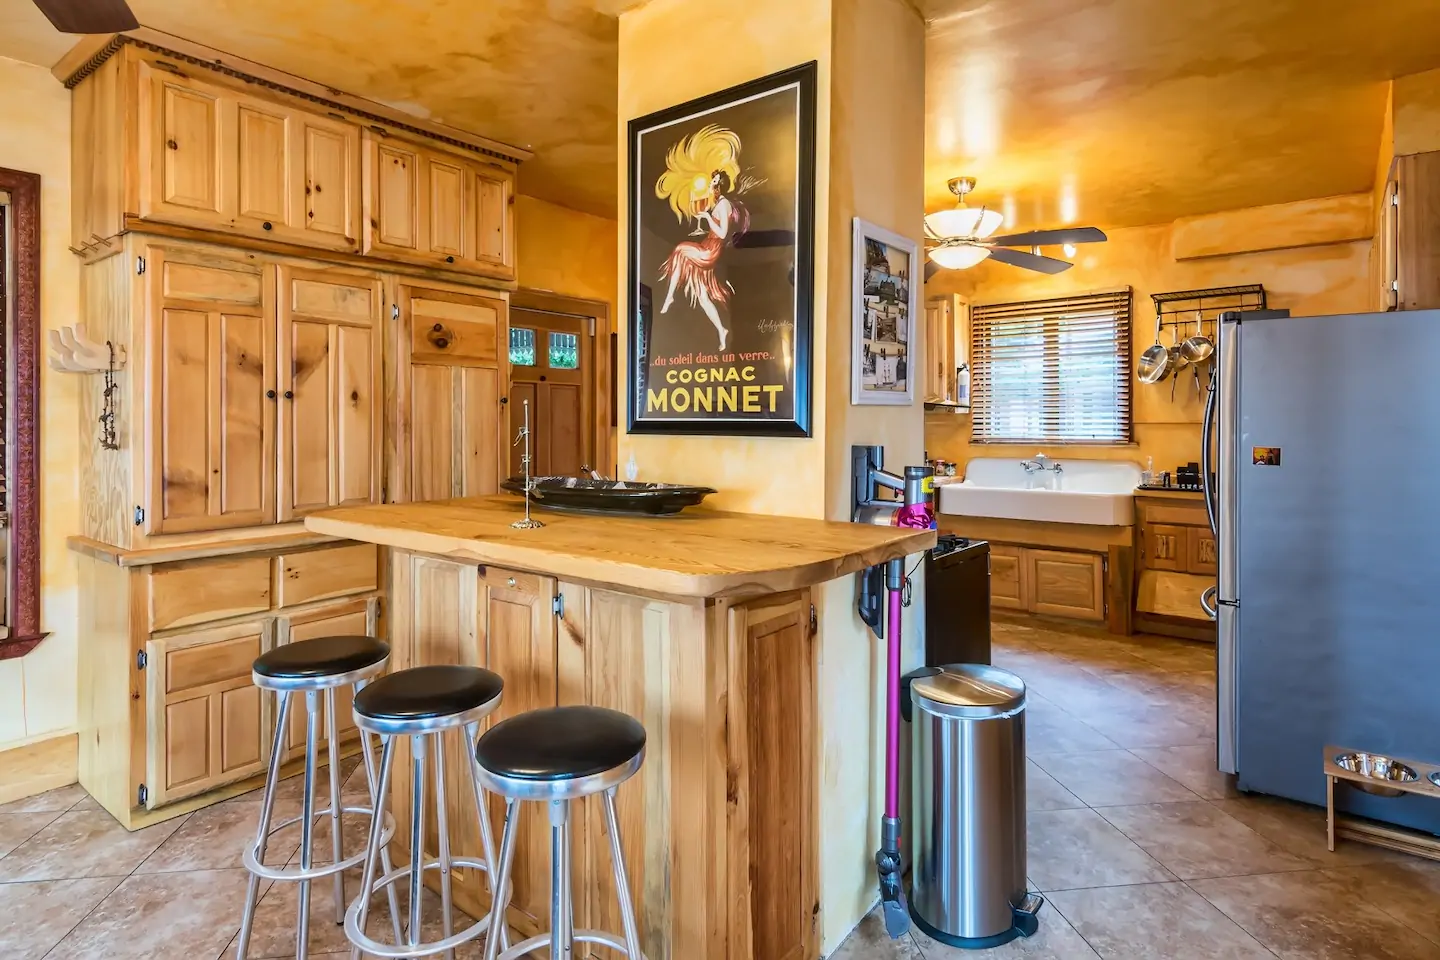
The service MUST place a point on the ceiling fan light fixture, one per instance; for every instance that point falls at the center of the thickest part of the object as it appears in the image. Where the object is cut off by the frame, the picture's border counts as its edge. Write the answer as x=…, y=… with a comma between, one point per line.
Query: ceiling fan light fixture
x=959, y=257
x=977, y=222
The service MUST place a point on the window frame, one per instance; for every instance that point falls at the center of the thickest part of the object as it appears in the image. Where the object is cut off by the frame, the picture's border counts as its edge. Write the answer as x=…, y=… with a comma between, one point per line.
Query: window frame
x=1048, y=312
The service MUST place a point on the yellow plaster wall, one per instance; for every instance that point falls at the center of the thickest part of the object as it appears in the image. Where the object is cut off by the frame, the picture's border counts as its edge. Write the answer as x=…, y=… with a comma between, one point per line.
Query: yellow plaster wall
x=565, y=251
x=1333, y=278
x=1416, y=104
x=37, y=692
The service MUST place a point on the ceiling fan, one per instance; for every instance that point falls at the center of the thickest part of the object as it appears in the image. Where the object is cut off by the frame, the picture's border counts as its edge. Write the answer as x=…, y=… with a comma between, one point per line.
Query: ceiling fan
x=88, y=16
x=960, y=238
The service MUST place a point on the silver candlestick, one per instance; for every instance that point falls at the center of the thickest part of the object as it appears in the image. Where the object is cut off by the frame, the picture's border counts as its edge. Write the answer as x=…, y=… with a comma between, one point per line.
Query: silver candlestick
x=528, y=523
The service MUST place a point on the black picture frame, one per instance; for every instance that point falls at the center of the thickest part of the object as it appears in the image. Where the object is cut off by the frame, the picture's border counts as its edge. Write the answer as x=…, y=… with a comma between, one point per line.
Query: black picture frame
x=801, y=274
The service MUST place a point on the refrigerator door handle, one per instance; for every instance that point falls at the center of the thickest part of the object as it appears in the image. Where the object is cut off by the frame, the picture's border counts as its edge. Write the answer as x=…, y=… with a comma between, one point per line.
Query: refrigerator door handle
x=1207, y=601
x=1207, y=460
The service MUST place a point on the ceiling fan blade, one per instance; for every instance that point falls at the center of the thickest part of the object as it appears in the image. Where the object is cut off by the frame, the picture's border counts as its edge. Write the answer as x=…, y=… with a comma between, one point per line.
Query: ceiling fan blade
x=766, y=238
x=1048, y=238
x=931, y=268
x=1029, y=261
x=88, y=16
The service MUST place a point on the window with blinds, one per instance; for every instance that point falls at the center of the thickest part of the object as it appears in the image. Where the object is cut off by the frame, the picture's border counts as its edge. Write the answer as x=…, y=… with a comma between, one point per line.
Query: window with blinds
x=1052, y=371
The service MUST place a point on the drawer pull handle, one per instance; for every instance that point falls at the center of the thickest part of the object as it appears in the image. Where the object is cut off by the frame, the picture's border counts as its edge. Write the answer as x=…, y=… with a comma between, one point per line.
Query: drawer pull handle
x=510, y=582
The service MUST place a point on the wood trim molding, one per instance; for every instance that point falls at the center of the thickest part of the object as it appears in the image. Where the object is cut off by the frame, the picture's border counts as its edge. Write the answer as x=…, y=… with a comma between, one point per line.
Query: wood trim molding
x=23, y=450
x=33, y=768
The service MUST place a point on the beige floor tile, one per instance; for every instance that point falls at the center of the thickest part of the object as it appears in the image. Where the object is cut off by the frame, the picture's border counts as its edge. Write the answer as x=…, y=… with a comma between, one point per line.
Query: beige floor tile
x=1299, y=829
x=1408, y=890
x=1309, y=916
x=167, y=916
x=216, y=837
x=869, y=941
x=1049, y=729
x=1146, y=725
x=1044, y=792
x=355, y=833
x=1197, y=840
x=36, y=916
x=1055, y=940
x=89, y=843
x=1192, y=766
x=58, y=800
x=1069, y=849
x=1112, y=778
x=16, y=828
x=1155, y=921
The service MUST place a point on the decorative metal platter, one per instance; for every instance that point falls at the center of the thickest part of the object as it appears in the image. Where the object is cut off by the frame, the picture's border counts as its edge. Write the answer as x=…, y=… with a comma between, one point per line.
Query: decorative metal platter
x=610, y=496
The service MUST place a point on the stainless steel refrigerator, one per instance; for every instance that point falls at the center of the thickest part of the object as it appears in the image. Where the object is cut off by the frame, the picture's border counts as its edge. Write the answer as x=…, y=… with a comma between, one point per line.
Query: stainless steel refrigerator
x=1324, y=437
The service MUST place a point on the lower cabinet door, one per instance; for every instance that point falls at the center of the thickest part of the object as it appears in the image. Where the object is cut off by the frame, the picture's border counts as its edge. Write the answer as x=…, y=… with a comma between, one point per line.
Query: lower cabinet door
x=349, y=619
x=1007, y=581
x=1066, y=584
x=205, y=720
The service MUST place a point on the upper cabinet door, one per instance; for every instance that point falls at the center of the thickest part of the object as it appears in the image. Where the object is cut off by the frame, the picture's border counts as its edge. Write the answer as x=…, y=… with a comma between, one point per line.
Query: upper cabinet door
x=265, y=142
x=330, y=389
x=211, y=387
x=491, y=210
x=326, y=182
x=183, y=134
x=392, y=198
x=443, y=203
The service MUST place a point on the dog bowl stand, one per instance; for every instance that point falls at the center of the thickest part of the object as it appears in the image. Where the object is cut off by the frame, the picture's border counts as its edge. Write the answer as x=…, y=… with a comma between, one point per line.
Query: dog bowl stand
x=1364, y=831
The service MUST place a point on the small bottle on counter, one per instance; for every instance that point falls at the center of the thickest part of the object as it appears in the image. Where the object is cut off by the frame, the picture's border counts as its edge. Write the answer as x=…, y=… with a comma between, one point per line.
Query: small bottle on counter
x=1147, y=476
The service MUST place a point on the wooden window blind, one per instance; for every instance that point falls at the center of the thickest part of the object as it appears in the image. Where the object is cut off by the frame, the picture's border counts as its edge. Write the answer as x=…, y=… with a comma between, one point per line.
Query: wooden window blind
x=1052, y=371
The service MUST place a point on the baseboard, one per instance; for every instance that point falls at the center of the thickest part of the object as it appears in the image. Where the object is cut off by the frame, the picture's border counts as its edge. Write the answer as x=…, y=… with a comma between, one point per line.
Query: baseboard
x=40, y=766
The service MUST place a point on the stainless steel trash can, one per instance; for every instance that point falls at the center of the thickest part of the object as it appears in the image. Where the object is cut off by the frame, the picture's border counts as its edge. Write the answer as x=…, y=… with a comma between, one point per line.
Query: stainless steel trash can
x=967, y=825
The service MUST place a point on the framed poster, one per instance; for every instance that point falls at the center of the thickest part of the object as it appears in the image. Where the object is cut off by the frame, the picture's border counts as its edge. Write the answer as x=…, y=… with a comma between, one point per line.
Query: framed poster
x=721, y=272
x=885, y=302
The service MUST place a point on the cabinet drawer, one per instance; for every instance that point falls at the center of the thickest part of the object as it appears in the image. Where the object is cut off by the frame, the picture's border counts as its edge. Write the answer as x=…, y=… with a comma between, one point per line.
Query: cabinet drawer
x=189, y=668
x=205, y=590
x=321, y=574
x=1164, y=511
x=1201, y=555
x=1066, y=584
x=456, y=329
x=1006, y=580
x=1165, y=546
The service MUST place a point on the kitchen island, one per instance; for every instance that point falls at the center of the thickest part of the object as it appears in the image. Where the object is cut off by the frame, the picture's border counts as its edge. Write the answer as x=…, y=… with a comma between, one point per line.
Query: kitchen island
x=699, y=625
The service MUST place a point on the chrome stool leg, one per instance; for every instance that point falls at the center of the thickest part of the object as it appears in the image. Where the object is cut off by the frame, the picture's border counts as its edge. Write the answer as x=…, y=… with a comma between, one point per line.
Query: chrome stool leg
x=307, y=819
x=374, y=851
x=561, y=918
x=487, y=835
x=337, y=837
x=262, y=832
x=442, y=831
x=622, y=882
x=370, y=782
x=500, y=902
x=417, y=836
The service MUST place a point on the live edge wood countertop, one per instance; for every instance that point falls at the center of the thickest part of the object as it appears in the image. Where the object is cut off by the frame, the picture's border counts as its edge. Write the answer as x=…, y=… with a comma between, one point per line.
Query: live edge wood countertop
x=698, y=554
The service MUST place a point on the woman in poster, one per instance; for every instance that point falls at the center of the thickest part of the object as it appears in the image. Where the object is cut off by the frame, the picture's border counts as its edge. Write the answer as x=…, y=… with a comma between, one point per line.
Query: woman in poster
x=700, y=170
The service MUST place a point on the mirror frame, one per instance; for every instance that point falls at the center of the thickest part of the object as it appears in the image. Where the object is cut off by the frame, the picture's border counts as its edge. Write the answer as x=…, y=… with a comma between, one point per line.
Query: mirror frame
x=23, y=396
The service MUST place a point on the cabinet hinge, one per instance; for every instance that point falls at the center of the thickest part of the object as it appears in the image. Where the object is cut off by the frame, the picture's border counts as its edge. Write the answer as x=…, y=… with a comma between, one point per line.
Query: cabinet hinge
x=394, y=311
x=814, y=624
x=139, y=516
x=557, y=605
x=142, y=794
x=1395, y=286
x=139, y=265
x=141, y=660
x=1395, y=199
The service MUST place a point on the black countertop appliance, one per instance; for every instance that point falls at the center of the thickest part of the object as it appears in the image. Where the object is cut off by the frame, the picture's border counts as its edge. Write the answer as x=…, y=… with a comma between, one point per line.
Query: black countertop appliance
x=957, y=602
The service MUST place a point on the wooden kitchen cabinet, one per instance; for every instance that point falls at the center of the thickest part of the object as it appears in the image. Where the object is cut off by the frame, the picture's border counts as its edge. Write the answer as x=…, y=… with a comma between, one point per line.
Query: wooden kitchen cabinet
x=431, y=206
x=947, y=346
x=330, y=386
x=1007, y=579
x=352, y=618
x=1201, y=556
x=1166, y=546
x=217, y=159
x=212, y=383
x=1064, y=584
x=204, y=726
x=1178, y=561
x=450, y=371
x=1417, y=220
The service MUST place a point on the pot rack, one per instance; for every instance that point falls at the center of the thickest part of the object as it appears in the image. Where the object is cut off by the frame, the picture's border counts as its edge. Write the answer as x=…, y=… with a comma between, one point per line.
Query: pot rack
x=1178, y=307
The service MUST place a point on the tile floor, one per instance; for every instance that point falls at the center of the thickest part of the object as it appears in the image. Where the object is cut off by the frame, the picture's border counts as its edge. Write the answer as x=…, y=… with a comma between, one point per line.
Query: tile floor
x=1144, y=852
x=1166, y=862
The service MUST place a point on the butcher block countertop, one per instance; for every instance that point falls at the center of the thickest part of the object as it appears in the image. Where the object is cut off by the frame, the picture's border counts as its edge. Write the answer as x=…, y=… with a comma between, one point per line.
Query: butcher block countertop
x=696, y=554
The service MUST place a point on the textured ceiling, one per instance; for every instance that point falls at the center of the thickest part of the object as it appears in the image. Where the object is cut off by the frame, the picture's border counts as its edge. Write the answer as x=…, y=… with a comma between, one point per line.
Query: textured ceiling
x=541, y=74
x=1125, y=112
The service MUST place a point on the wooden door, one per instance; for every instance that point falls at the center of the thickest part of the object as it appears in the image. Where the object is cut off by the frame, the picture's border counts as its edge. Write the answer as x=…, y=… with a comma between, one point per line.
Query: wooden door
x=444, y=196
x=184, y=176
x=265, y=141
x=325, y=182
x=392, y=198
x=449, y=433
x=1164, y=546
x=204, y=722
x=1066, y=584
x=1201, y=554
x=491, y=218
x=938, y=349
x=351, y=618
x=1418, y=213
x=1007, y=578
x=552, y=368
x=212, y=390
x=330, y=388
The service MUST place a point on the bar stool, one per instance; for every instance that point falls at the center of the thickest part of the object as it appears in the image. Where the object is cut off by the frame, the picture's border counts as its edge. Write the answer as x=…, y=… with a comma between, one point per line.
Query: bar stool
x=422, y=703
x=316, y=667
x=558, y=755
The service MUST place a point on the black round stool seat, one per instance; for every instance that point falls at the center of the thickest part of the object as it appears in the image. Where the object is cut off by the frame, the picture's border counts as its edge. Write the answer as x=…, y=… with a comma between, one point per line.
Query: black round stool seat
x=560, y=743
x=321, y=657
x=427, y=693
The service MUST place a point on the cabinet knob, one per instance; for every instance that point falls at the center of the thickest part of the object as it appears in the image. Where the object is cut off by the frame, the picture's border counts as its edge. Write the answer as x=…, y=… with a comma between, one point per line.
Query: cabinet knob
x=267, y=225
x=510, y=581
x=172, y=144
x=437, y=328
x=449, y=259
x=542, y=378
x=270, y=394
x=289, y=394
x=504, y=400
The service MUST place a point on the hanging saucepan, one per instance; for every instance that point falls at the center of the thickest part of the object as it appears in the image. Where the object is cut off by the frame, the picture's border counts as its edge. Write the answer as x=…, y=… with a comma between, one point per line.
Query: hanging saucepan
x=1197, y=349
x=1155, y=361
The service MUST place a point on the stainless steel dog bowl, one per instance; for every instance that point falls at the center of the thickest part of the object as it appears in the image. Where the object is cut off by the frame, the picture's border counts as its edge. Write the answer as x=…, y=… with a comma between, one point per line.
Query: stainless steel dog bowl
x=1378, y=768
x=1435, y=778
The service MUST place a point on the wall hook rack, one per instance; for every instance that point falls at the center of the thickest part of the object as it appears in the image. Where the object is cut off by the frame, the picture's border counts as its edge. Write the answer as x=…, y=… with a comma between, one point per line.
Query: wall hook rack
x=71, y=351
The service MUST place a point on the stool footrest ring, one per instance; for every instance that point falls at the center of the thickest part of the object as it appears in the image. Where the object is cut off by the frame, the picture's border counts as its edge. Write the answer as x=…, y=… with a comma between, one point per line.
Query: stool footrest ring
x=580, y=936
x=253, y=864
x=359, y=939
